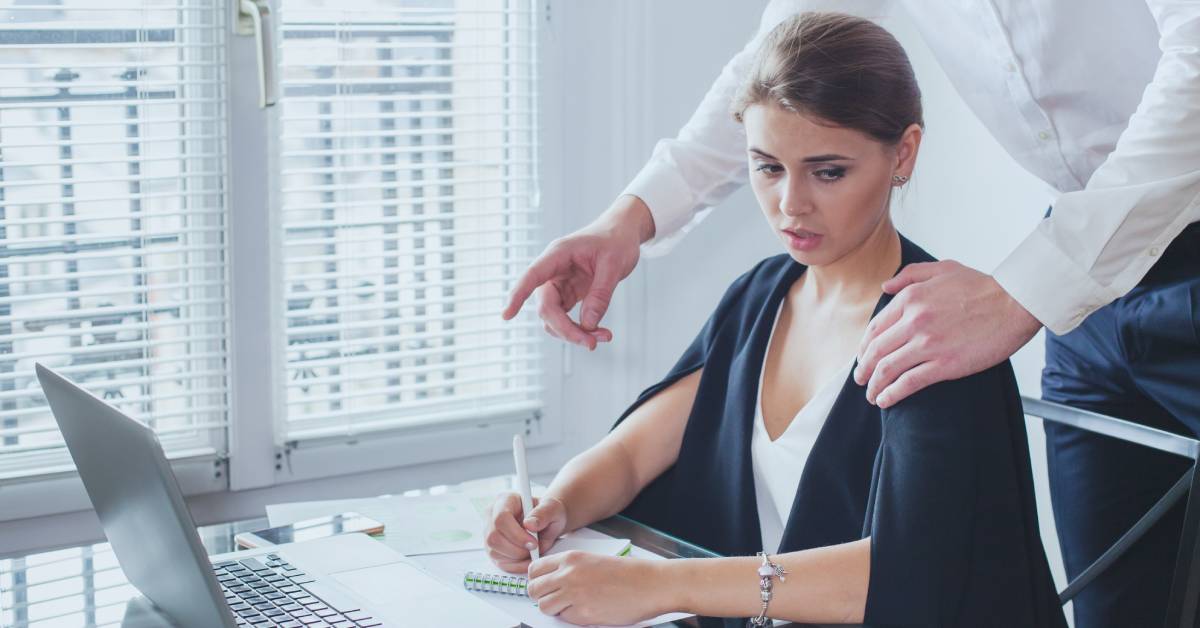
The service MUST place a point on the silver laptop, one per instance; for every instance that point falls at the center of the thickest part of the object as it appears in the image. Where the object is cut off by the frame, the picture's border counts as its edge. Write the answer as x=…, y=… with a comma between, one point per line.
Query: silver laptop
x=346, y=580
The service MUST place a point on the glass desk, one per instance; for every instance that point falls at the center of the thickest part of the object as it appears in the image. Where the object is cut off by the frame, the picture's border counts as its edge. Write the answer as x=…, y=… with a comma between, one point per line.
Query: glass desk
x=83, y=586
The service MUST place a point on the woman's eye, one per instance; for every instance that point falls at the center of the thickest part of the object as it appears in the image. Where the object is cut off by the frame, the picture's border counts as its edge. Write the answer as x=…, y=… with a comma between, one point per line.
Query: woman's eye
x=767, y=168
x=830, y=174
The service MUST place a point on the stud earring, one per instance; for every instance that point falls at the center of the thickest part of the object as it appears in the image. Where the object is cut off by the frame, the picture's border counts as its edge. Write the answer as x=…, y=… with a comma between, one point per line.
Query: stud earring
x=899, y=179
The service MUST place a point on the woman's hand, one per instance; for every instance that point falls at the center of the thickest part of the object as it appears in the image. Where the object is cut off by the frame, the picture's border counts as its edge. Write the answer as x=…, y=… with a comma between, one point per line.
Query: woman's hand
x=585, y=588
x=508, y=537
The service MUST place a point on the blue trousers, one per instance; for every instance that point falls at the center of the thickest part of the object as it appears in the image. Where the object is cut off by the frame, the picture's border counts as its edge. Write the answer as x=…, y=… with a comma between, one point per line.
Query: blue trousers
x=1138, y=359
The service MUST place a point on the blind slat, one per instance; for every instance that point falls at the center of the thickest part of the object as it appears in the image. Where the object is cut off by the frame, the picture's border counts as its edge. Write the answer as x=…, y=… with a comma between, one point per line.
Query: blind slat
x=120, y=347
x=106, y=122
x=309, y=330
x=399, y=354
x=134, y=291
x=121, y=273
x=293, y=208
x=389, y=116
x=461, y=235
x=442, y=165
x=403, y=371
x=397, y=305
x=144, y=216
x=416, y=410
x=465, y=335
x=139, y=178
x=197, y=427
x=411, y=220
x=151, y=104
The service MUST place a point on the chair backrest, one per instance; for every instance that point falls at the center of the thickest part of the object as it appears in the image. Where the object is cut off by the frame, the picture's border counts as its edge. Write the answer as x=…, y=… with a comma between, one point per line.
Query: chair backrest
x=1185, y=585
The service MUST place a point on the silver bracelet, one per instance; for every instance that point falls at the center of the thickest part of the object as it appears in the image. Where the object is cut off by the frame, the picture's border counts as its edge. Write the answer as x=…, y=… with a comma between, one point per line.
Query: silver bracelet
x=766, y=571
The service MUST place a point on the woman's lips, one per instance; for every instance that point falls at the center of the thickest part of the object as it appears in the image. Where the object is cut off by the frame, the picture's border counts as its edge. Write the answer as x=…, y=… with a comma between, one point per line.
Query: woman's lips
x=802, y=240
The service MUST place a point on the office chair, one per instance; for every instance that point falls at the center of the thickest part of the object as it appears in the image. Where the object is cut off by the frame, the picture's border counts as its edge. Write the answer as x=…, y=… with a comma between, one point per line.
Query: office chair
x=1185, y=584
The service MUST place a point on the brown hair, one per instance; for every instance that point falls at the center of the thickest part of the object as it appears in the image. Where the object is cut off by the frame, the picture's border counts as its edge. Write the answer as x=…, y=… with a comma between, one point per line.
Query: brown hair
x=839, y=69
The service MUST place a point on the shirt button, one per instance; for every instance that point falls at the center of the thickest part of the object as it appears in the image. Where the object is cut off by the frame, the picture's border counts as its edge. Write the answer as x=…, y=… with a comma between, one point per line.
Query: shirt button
x=1153, y=251
x=1043, y=135
x=1010, y=66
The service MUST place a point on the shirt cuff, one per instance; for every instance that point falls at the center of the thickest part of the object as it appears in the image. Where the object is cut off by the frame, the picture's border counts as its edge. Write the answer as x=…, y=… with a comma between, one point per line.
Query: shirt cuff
x=1049, y=284
x=669, y=198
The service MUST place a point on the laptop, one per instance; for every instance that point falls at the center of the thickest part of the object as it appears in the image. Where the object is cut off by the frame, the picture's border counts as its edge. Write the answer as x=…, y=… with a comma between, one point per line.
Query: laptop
x=346, y=581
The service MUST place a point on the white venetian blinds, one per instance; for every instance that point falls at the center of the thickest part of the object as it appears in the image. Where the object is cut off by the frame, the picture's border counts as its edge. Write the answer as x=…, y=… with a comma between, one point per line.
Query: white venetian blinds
x=409, y=206
x=111, y=218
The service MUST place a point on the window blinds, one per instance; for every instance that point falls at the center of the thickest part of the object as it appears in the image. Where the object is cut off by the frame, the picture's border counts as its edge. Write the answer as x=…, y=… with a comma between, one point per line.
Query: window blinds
x=112, y=211
x=408, y=193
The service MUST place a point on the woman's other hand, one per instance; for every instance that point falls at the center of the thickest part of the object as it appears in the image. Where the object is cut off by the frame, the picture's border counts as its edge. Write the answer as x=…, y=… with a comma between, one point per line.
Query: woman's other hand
x=585, y=588
x=585, y=266
x=508, y=535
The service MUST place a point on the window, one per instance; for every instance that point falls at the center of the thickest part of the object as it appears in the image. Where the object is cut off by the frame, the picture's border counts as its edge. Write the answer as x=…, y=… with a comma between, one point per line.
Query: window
x=112, y=219
x=408, y=196
x=165, y=242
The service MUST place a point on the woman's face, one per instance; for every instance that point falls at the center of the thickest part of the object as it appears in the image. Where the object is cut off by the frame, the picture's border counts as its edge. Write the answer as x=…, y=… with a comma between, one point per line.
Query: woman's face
x=823, y=189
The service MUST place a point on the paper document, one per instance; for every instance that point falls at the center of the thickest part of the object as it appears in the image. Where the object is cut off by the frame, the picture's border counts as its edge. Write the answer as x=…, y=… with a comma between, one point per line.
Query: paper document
x=449, y=568
x=423, y=524
x=400, y=590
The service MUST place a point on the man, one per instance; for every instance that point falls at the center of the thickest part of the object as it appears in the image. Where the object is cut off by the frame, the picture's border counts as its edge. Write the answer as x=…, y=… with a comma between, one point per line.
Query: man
x=1103, y=104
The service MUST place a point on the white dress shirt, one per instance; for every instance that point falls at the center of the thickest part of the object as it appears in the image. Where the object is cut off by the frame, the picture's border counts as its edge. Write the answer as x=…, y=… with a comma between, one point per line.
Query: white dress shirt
x=778, y=464
x=1099, y=100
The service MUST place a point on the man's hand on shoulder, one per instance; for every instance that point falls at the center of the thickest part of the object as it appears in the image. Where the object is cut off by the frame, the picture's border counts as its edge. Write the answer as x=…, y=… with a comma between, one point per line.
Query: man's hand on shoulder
x=946, y=321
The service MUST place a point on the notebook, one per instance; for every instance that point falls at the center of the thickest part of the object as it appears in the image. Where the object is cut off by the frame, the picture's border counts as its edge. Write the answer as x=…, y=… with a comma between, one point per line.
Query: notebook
x=450, y=567
x=510, y=584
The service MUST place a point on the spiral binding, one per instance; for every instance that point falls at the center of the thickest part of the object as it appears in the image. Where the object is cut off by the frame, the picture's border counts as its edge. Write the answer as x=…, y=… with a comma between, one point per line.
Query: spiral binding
x=495, y=583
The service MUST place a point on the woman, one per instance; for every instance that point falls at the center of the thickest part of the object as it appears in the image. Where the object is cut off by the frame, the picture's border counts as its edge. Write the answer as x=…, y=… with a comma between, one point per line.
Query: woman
x=758, y=439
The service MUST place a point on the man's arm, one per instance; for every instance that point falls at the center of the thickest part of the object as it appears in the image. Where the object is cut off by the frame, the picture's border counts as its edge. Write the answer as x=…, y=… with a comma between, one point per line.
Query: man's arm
x=949, y=321
x=1100, y=241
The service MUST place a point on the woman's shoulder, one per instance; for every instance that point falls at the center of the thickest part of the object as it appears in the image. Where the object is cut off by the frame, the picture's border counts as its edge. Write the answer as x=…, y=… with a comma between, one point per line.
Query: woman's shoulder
x=975, y=405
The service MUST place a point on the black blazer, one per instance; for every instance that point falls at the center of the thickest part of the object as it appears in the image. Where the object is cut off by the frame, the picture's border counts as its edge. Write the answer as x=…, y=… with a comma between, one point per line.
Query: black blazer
x=941, y=481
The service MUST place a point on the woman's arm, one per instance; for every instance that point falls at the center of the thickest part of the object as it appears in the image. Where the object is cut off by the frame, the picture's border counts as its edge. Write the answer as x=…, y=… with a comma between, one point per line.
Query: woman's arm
x=825, y=585
x=603, y=480
x=598, y=482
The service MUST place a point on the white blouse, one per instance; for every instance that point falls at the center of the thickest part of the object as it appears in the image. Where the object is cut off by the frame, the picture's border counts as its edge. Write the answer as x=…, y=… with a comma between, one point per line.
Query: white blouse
x=779, y=464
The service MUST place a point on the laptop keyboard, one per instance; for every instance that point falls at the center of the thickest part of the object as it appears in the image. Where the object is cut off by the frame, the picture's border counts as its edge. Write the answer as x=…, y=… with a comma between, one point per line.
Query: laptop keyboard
x=273, y=592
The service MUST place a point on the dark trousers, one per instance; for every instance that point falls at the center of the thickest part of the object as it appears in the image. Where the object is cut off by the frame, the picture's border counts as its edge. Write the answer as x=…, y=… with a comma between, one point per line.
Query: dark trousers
x=1138, y=359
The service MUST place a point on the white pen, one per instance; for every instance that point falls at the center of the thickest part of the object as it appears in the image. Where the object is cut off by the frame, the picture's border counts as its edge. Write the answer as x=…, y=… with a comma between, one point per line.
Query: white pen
x=523, y=486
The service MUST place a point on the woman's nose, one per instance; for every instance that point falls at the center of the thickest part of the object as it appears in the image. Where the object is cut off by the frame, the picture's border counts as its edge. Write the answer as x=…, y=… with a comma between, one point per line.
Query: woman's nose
x=793, y=201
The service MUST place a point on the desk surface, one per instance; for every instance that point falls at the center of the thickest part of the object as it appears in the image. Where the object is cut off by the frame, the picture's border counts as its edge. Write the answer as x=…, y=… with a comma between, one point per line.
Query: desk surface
x=83, y=586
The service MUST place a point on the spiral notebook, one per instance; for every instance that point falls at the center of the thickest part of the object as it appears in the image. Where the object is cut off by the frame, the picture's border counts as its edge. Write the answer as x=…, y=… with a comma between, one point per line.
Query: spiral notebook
x=450, y=568
x=510, y=584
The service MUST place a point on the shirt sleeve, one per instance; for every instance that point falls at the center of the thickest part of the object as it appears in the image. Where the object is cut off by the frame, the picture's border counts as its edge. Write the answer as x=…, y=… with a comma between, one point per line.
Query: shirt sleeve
x=702, y=165
x=1100, y=241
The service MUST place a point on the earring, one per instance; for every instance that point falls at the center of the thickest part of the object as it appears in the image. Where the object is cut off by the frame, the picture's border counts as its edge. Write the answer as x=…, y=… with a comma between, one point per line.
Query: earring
x=899, y=179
